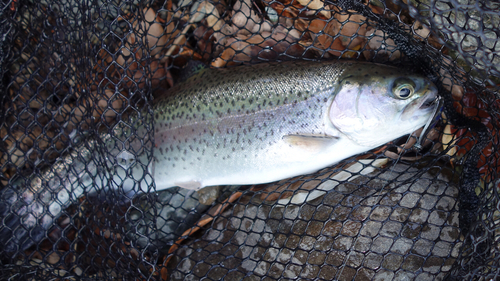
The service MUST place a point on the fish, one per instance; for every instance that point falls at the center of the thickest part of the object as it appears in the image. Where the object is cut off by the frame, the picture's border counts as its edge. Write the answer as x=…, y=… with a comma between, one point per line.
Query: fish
x=246, y=125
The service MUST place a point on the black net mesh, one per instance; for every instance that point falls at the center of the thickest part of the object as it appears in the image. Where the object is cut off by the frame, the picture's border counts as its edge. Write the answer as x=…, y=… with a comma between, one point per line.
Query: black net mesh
x=82, y=82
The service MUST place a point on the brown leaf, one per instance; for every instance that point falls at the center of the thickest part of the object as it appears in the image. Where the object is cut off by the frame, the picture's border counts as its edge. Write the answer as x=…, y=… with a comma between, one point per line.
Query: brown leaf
x=349, y=26
x=323, y=34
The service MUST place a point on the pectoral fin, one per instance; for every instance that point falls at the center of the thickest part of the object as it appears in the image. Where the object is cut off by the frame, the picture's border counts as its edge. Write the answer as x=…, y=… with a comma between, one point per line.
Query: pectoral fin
x=310, y=143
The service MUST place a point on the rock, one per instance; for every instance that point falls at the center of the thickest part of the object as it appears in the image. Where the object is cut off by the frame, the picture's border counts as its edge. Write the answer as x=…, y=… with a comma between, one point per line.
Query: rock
x=399, y=224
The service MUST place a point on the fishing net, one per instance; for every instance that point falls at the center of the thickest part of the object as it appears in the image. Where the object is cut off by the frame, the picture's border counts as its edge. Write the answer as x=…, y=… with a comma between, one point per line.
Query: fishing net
x=72, y=71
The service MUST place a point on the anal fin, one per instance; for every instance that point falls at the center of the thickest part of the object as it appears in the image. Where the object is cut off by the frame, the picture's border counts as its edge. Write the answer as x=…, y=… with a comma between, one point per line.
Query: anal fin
x=310, y=143
x=189, y=184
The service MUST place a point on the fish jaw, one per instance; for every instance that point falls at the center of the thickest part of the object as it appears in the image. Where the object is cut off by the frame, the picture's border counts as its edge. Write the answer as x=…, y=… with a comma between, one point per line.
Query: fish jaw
x=423, y=106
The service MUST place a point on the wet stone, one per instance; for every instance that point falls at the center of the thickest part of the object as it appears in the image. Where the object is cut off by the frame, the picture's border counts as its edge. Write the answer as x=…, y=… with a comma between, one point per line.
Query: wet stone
x=391, y=229
x=433, y=264
x=402, y=246
x=370, y=228
x=445, y=203
x=420, y=185
x=449, y=234
x=413, y=263
x=351, y=228
x=381, y=238
x=422, y=247
x=411, y=230
x=347, y=273
x=373, y=260
x=336, y=258
x=400, y=214
x=404, y=275
x=427, y=202
x=392, y=262
x=360, y=213
x=383, y=275
x=362, y=244
x=442, y=249
x=437, y=217
x=381, y=245
x=364, y=274
x=327, y=272
x=409, y=200
x=314, y=228
x=355, y=259
x=430, y=232
x=380, y=213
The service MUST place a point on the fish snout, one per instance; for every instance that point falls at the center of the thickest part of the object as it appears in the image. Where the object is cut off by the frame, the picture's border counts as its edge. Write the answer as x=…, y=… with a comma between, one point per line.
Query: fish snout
x=429, y=98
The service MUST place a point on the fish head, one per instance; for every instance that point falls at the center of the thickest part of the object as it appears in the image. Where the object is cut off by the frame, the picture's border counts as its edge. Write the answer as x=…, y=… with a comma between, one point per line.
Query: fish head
x=375, y=104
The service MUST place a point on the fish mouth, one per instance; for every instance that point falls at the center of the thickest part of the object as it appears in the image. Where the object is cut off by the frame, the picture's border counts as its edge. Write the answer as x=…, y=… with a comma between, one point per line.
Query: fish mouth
x=422, y=106
x=429, y=101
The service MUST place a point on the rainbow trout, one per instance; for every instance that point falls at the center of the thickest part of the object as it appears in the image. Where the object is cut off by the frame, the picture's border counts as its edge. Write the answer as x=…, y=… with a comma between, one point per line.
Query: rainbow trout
x=244, y=125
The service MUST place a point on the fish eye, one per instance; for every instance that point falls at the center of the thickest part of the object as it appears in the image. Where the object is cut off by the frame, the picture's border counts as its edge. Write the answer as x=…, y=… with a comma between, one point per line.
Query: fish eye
x=403, y=88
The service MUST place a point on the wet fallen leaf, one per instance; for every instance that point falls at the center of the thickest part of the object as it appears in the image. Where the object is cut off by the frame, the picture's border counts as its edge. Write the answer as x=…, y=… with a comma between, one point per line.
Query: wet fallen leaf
x=264, y=46
x=316, y=5
x=352, y=27
x=244, y=18
x=381, y=45
x=323, y=35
